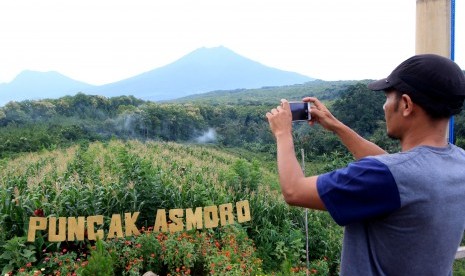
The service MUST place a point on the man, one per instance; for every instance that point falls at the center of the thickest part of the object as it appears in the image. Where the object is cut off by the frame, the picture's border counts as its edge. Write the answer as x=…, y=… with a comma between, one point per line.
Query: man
x=404, y=213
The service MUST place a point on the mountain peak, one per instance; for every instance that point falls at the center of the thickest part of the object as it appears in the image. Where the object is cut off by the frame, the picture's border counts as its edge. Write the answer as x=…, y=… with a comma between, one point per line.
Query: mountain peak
x=211, y=49
x=204, y=54
x=202, y=70
x=28, y=75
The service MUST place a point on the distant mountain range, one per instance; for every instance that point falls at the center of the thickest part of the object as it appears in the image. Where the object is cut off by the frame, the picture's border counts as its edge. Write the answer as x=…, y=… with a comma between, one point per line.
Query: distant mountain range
x=39, y=85
x=203, y=70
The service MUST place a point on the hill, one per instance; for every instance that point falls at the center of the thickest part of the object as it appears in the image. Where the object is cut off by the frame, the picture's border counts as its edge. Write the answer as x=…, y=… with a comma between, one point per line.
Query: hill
x=33, y=85
x=325, y=90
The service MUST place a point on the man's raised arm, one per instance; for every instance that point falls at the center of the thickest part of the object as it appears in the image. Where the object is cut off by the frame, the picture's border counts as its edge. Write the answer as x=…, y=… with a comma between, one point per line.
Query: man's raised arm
x=356, y=144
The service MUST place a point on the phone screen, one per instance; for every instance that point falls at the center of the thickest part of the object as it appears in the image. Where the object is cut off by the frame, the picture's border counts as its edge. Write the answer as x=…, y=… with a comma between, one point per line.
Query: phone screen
x=299, y=111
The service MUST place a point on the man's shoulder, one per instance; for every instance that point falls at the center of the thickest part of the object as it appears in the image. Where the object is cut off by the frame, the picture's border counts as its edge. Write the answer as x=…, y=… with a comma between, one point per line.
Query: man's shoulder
x=457, y=149
x=422, y=152
x=393, y=159
x=424, y=161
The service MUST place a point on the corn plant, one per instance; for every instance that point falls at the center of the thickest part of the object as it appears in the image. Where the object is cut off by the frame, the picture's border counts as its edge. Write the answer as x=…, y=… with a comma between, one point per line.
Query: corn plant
x=132, y=176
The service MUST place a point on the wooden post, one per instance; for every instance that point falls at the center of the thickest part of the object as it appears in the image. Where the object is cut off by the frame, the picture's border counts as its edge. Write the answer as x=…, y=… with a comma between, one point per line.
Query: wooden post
x=460, y=253
x=433, y=29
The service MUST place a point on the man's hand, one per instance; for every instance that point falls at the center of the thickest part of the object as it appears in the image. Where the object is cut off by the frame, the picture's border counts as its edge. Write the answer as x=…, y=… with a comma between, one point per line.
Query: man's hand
x=321, y=115
x=357, y=145
x=280, y=119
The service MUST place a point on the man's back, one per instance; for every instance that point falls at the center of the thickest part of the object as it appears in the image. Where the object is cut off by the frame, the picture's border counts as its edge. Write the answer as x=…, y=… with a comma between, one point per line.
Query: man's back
x=422, y=236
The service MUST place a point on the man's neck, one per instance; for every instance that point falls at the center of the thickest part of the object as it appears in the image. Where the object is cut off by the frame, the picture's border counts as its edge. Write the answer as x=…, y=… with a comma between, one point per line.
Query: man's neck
x=426, y=133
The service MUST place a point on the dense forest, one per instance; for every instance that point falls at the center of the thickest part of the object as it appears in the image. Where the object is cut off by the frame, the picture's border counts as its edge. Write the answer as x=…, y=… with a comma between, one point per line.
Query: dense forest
x=222, y=118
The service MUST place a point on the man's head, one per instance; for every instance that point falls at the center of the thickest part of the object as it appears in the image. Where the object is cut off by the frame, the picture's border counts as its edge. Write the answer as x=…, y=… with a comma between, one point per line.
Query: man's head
x=434, y=83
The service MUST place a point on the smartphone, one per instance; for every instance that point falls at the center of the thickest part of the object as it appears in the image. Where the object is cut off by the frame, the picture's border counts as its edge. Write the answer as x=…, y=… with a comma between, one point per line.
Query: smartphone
x=300, y=111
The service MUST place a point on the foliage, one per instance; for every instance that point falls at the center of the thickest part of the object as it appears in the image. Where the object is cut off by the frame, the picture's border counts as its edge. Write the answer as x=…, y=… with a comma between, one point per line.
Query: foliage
x=16, y=254
x=118, y=177
x=47, y=124
x=360, y=108
x=232, y=254
x=324, y=90
x=99, y=262
x=379, y=138
x=62, y=262
x=227, y=251
x=459, y=267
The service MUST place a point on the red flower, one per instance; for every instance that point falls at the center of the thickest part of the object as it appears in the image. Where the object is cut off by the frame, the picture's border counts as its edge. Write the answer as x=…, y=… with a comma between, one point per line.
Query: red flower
x=39, y=213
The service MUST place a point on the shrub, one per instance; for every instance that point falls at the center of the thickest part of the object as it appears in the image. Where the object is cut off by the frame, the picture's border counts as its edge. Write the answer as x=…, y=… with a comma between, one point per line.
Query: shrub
x=99, y=262
x=17, y=255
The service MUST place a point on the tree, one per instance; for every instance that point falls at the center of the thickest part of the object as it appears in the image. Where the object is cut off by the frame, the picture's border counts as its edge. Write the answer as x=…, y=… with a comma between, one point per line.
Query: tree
x=360, y=109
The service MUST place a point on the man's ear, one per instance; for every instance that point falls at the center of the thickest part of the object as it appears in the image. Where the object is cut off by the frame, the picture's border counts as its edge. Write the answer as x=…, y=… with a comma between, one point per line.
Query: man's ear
x=406, y=105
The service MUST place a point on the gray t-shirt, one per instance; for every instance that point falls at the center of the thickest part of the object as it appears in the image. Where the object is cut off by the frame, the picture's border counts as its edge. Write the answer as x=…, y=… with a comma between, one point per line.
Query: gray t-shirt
x=404, y=213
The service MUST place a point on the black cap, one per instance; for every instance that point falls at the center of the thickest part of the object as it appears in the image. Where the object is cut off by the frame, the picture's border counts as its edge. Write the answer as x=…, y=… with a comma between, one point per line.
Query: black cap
x=431, y=76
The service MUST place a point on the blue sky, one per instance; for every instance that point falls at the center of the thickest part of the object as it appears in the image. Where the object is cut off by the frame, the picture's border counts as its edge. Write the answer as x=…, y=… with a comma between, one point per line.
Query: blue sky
x=104, y=41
